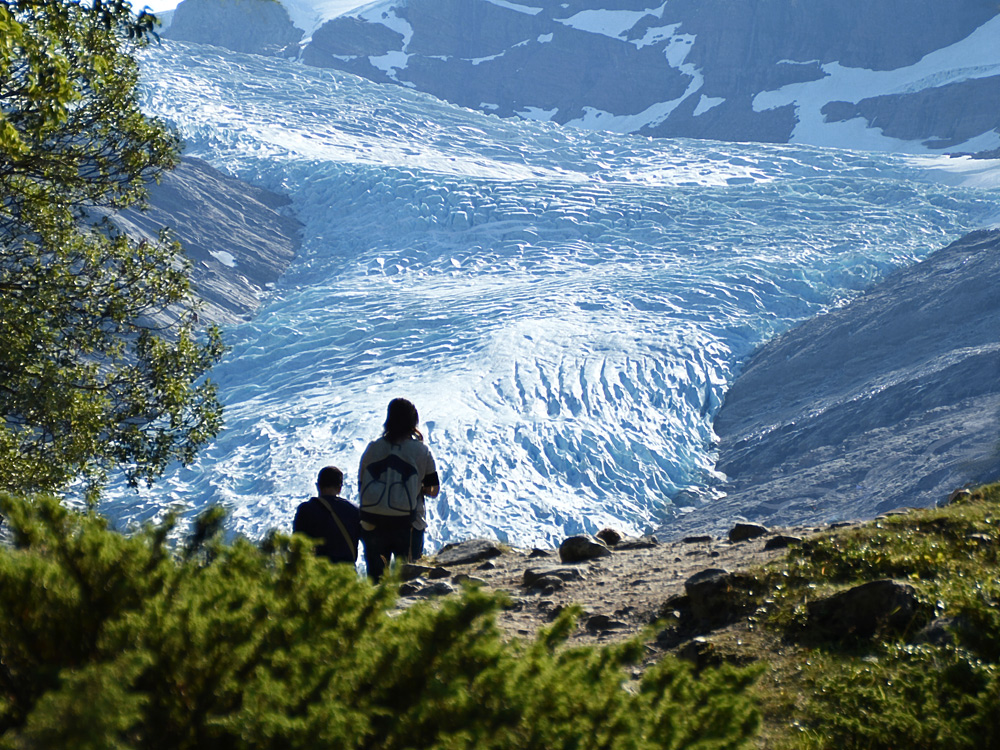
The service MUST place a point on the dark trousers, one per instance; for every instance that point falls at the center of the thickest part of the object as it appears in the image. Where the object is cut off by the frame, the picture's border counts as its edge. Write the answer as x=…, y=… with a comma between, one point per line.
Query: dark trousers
x=389, y=539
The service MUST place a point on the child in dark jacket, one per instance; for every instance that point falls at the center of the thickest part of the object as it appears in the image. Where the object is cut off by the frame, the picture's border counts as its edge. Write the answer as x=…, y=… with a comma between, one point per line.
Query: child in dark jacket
x=330, y=519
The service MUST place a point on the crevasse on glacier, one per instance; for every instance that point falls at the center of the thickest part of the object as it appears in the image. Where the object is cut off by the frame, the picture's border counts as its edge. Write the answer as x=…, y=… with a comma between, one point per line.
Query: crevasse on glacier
x=565, y=308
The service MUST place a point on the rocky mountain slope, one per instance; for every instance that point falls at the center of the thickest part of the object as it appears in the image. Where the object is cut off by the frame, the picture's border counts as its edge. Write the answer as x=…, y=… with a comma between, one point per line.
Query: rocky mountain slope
x=253, y=26
x=235, y=234
x=887, y=75
x=891, y=400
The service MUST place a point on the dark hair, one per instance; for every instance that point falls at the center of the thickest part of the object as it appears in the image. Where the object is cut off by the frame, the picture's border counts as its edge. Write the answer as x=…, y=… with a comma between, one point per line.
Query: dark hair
x=401, y=421
x=330, y=476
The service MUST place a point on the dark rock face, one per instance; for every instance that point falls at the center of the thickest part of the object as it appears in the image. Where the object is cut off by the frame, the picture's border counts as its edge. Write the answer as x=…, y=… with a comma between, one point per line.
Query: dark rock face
x=238, y=240
x=253, y=26
x=946, y=115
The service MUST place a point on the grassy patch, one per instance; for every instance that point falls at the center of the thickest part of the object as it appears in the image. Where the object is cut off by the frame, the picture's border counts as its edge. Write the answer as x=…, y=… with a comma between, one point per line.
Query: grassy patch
x=934, y=684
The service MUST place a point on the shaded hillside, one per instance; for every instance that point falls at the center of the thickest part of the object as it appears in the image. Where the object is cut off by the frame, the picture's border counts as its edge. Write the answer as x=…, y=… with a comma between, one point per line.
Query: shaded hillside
x=891, y=400
x=235, y=234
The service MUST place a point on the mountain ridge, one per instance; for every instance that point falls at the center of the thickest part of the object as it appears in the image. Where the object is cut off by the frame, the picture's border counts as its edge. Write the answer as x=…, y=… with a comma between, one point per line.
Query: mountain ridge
x=885, y=75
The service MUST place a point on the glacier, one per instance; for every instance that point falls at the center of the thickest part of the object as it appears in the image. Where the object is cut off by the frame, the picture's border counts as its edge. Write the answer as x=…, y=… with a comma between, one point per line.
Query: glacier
x=566, y=308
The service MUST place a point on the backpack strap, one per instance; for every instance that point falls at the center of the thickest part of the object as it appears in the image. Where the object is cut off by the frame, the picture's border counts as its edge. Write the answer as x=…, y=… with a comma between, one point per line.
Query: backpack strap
x=340, y=525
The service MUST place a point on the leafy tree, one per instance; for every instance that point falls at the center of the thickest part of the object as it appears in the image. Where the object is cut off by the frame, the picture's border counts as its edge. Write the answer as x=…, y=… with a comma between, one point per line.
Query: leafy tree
x=101, y=365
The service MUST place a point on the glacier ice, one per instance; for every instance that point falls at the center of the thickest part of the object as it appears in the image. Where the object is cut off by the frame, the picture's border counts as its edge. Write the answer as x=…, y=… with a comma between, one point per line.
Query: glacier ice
x=566, y=308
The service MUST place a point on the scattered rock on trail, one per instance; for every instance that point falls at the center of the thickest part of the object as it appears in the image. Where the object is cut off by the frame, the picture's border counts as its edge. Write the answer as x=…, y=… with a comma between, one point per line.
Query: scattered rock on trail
x=563, y=573
x=603, y=622
x=581, y=548
x=741, y=532
x=471, y=551
x=642, y=542
x=609, y=536
x=642, y=582
x=420, y=588
x=697, y=539
x=781, y=541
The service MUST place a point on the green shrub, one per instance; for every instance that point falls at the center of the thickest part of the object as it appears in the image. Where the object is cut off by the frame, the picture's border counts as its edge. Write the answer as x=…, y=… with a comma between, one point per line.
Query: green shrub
x=115, y=641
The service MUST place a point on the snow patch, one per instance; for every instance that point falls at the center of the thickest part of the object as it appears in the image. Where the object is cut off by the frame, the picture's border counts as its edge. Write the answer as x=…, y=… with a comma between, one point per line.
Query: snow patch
x=963, y=171
x=976, y=56
x=656, y=35
x=536, y=113
x=612, y=23
x=223, y=257
x=526, y=9
x=309, y=15
x=391, y=63
x=706, y=103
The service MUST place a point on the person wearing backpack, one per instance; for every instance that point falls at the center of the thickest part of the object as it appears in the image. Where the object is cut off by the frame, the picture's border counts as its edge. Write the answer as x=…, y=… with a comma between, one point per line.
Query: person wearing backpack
x=331, y=519
x=397, y=472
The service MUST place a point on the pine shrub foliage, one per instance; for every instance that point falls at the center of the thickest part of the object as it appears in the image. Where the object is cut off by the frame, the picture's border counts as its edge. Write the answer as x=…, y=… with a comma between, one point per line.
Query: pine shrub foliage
x=123, y=641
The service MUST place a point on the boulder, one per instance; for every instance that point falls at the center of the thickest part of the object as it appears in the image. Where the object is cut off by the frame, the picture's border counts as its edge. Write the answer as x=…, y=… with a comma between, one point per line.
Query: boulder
x=717, y=597
x=697, y=539
x=420, y=588
x=938, y=632
x=781, y=541
x=743, y=532
x=958, y=496
x=701, y=652
x=548, y=584
x=641, y=542
x=412, y=571
x=677, y=607
x=862, y=611
x=471, y=551
x=609, y=536
x=581, y=548
x=602, y=623
x=533, y=575
x=465, y=578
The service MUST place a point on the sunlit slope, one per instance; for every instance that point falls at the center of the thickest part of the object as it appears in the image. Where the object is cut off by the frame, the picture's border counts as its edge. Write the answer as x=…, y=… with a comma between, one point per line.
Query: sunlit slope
x=565, y=308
